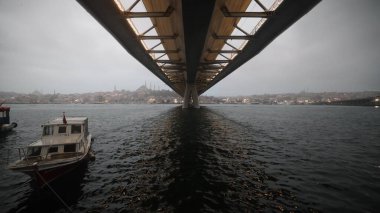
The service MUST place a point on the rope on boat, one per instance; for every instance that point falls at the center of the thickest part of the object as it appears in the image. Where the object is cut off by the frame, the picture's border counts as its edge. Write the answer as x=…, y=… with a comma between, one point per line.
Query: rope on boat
x=51, y=189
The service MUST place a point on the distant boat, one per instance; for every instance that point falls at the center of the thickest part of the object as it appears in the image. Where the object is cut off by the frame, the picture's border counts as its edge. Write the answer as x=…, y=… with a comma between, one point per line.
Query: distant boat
x=65, y=144
x=5, y=125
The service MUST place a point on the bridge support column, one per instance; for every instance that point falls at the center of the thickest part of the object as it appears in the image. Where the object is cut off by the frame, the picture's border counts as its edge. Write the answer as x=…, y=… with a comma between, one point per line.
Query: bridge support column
x=194, y=95
x=186, y=97
x=190, y=93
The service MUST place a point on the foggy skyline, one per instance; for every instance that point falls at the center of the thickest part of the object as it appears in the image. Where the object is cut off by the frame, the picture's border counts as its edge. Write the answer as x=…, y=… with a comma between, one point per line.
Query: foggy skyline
x=58, y=45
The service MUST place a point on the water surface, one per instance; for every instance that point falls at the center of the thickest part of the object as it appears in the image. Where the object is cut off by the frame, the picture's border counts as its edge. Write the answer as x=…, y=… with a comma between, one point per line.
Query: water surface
x=225, y=158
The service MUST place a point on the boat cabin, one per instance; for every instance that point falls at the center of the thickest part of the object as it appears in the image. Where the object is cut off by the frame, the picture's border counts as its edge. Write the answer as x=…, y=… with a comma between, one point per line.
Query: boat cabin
x=61, y=137
x=73, y=126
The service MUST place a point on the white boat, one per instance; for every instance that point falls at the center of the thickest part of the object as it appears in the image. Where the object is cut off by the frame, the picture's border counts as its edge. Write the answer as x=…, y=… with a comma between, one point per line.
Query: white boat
x=5, y=125
x=65, y=144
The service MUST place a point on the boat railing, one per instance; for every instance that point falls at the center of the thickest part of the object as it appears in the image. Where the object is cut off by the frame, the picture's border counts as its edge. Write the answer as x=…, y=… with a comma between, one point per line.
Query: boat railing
x=29, y=159
x=24, y=155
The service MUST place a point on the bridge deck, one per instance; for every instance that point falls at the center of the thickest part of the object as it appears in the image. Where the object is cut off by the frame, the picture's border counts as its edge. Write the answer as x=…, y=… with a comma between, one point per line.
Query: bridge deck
x=197, y=42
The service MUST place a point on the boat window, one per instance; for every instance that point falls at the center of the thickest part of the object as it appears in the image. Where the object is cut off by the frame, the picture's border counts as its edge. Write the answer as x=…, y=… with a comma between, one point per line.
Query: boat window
x=75, y=129
x=62, y=129
x=70, y=148
x=48, y=130
x=53, y=149
x=34, y=151
x=4, y=114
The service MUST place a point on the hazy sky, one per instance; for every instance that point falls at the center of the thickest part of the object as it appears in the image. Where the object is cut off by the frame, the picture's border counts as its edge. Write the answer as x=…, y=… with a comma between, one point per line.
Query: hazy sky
x=56, y=45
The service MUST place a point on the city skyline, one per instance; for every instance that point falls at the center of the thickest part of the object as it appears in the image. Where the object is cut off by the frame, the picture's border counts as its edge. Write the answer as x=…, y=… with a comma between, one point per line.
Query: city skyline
x=328, y=49
x=145, y=95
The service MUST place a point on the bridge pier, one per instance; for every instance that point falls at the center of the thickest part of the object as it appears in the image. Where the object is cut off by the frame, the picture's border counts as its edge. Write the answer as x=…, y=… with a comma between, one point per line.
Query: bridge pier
x=190, y=94
x=194, y=95
x=186, y=97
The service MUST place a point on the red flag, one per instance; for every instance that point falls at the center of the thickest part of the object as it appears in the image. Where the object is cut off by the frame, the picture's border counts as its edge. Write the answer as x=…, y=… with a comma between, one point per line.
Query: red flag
x=64, y=118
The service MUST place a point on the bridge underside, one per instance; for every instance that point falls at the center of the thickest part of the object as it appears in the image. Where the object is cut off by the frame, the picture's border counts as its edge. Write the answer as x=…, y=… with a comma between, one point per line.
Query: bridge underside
x=193, y=44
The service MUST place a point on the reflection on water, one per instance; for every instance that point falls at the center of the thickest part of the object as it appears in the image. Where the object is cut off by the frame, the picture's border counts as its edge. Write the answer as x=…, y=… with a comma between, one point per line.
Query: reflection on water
x=217, y=158
x=193, y=160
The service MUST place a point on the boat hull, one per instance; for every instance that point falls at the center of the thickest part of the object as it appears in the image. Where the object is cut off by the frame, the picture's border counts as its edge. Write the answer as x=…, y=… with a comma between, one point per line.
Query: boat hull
x=7, y=127
x=44, y=176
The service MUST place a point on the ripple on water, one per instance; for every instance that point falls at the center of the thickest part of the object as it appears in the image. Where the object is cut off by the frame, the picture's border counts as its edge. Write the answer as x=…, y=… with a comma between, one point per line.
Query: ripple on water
x=218, y=158
x=180, y=165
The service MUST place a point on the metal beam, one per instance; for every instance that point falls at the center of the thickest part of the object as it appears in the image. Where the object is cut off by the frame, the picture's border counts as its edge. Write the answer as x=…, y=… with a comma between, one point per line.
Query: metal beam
x=216, y=62
x=163, y=51
x=211, y=66
x=167, y=13
x=241, y=30
x=224, y=56
x=173, y=67
x=173, y=75
x=261, y=5
x=173, y=70
x=227, y=13
x=156, y=45
x=161, y=56
x=133, y=5
x=144, y=37
x=209, y=71
x=236, y=37
x=224, y=51
x=149, y=29
x=231, y=45
x=169, y=61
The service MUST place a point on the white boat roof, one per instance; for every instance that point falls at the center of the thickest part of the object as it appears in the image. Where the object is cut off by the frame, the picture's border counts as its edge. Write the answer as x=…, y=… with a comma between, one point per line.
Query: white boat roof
x=70, y=120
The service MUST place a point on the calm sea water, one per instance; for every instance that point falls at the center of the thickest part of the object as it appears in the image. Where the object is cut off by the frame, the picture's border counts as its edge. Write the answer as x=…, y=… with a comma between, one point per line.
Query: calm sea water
x=224, y=158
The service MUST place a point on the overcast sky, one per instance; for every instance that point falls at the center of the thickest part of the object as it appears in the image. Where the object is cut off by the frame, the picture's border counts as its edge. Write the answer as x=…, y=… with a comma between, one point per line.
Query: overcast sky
x=56, y=45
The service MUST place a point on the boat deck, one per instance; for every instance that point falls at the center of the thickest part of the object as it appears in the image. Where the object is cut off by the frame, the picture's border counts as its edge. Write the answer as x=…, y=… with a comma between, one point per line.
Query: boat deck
x=54, y=159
